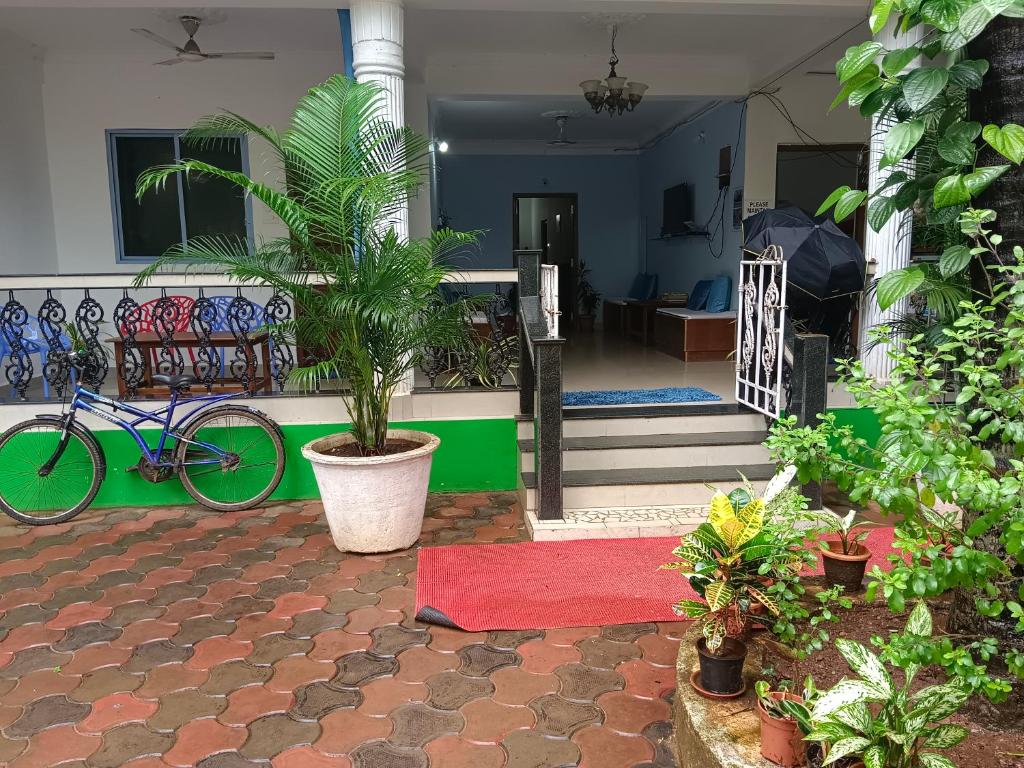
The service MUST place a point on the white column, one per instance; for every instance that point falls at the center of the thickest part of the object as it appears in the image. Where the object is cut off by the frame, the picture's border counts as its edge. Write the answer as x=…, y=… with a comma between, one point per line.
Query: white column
x=378, y=56
x=888, y=249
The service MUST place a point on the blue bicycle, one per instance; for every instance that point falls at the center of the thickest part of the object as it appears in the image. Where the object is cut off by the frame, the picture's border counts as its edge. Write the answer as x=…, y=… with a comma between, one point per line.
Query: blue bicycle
x=228, y=457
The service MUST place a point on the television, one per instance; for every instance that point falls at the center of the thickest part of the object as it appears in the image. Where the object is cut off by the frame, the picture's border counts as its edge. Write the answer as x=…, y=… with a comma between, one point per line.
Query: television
x=677, y=211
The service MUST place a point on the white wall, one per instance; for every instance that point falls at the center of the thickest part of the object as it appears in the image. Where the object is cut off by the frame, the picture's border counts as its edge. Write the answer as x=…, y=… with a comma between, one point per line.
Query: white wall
x=26, y=215
x=86, y=94
x=807, y=98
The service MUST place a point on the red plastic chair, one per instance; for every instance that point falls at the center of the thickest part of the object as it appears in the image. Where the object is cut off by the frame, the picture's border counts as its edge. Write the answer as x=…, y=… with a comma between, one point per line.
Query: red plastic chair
x=181, y=323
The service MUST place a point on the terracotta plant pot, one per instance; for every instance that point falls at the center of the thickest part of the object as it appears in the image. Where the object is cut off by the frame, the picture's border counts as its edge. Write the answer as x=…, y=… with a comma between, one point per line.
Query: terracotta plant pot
x=781, y=740
x=846, y=571
x=722, y=673
x=373, y=503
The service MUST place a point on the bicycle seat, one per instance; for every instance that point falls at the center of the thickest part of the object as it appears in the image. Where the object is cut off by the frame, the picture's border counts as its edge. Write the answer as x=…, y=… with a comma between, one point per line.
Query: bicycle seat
x=176, y=381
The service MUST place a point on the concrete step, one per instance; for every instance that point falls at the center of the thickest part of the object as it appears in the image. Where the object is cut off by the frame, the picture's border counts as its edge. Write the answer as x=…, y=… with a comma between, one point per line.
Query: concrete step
x=617, y=523
x=646, y=487
x=631, y=424
x=670, y=450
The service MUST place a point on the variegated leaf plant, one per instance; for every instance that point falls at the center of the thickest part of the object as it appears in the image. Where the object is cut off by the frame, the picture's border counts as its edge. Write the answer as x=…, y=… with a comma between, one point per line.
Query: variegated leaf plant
x=729, y=560
x=882, y=724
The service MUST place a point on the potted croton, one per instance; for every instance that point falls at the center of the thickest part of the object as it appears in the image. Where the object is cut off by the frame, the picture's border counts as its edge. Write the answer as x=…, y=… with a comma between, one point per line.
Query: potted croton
x=366, y=297
x=845, y=558
x=728, y=561
x=785, y=720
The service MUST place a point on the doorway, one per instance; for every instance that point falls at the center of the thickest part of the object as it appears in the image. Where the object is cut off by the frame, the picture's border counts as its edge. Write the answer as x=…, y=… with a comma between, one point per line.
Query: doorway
x=807, y=174
x=548, y=223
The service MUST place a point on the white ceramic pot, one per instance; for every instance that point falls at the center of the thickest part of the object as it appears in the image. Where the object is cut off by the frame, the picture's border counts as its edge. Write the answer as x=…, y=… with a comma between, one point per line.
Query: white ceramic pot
x=373, y=503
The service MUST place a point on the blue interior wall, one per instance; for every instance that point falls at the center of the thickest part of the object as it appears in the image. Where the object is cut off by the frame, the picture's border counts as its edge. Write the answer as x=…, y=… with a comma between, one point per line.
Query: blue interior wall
x=620, y=198
x=686, y=157
x=476, y=193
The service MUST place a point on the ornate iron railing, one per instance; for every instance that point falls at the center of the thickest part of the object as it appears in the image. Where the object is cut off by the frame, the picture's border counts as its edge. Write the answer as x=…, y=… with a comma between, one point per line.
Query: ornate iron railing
x=225, y=334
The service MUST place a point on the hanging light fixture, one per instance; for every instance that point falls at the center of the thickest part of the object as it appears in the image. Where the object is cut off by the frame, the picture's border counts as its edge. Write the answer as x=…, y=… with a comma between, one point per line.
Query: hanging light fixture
x=614, y=94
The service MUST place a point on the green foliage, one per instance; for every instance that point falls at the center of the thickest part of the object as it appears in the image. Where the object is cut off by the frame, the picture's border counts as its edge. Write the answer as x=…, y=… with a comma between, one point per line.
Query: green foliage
x=918, y=90
x=787, y=708
x=587, y=296
x=749, y=553
x=941, y=452
x=883, y=725
x=367, y=301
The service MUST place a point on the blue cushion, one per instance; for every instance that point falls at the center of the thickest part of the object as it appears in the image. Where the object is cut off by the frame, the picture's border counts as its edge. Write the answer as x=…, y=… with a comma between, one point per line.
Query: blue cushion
x=720, y=295
x=645, y=287
x=699, y=295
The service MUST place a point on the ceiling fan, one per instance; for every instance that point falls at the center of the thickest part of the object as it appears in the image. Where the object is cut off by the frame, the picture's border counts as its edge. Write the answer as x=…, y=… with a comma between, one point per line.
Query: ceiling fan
x=561, y=120
x=190, y=50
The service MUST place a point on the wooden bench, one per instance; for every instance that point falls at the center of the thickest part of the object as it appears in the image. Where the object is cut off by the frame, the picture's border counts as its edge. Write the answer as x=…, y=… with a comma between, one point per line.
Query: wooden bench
x=695, y=336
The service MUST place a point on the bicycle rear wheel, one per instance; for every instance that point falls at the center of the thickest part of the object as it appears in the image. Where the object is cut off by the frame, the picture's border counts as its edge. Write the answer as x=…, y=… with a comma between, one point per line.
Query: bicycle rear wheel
x=61, y=494
x=257, y=464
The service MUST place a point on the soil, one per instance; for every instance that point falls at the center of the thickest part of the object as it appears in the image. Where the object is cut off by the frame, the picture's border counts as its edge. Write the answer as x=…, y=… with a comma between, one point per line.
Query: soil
x=354, y=449
x=990, y=744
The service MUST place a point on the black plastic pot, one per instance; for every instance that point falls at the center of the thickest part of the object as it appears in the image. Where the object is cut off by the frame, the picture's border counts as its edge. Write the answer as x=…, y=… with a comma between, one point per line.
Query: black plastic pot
x=722, y=673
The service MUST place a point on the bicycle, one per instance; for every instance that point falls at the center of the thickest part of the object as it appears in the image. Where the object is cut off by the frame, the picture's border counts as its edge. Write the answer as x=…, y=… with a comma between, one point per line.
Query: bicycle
x=228, y=457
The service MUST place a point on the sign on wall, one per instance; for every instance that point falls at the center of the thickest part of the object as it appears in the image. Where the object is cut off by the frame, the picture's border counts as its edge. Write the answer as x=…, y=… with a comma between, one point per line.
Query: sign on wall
x=756, y=206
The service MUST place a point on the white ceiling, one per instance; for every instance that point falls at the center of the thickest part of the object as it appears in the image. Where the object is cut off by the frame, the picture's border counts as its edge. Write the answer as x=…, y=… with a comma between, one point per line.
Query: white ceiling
x=99, y=30
x=520, y=124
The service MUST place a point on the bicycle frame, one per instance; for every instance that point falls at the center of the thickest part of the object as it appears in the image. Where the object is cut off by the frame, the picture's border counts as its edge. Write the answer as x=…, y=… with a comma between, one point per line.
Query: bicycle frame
x=91, y=402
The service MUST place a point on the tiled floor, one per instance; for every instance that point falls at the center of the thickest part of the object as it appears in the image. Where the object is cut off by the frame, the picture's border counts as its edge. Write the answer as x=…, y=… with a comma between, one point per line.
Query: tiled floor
x=179, y=637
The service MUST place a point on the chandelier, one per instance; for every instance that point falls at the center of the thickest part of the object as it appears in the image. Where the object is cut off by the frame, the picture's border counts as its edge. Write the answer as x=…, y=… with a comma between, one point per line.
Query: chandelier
x=613, y=94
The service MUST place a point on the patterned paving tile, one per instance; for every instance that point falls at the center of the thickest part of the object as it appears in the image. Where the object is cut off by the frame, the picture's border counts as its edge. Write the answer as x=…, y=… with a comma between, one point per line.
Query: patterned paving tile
x=178, y=637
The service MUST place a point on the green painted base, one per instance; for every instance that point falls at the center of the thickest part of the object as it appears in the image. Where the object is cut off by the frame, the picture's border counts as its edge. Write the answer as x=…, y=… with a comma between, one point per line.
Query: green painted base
x=475, y=455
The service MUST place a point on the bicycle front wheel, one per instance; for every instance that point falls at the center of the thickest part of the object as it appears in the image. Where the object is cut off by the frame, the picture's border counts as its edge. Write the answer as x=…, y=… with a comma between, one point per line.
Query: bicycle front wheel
x=36, y=498
x=253, y=469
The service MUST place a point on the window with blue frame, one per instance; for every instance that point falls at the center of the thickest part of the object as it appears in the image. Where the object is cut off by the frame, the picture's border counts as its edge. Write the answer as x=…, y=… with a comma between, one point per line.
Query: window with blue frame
x=184, y=208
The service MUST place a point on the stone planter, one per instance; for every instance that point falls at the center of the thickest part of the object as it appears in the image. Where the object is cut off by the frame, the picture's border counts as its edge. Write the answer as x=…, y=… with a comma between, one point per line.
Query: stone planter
x=373, y=503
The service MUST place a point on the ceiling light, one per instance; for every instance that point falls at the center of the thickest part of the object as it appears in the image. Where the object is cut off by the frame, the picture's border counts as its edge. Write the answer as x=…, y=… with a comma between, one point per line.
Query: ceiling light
x=614, y=94
x=442, y=146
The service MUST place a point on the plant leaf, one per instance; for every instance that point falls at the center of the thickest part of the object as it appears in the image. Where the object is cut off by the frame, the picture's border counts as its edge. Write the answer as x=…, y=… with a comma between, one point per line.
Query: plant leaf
x=880, y=210
x=895, y=285
x=946, y=736
x=973, y=21
x=844, y=693
x=950, y=191
x=880, y=15
x=1007, y=140
x=941, y=701
x=852, y=746
x=923, y=85
x=968, y=74
x=952, y=261
x=848, y=203
x=856, y=59
x=874, y=756
x=978, y=181
x=933, y=760
x=866, y=664
x=719, y=595
x=894, y=62
x=832, y=199
x=957, y=144
x=857, y=716
x=942, y=14
x=900, y=139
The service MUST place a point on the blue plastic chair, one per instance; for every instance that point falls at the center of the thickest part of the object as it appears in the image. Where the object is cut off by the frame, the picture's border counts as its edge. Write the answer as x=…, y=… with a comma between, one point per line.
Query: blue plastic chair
x=220, y=323
x=34, y=343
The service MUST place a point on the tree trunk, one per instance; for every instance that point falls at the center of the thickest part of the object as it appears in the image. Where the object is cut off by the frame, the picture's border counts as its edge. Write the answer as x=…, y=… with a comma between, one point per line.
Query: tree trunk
x=999, y=101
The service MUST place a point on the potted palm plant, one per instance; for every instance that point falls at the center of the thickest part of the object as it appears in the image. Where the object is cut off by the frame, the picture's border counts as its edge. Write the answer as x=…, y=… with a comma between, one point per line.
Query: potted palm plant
x=588, y=298
x=367, y=298
x=846, y=558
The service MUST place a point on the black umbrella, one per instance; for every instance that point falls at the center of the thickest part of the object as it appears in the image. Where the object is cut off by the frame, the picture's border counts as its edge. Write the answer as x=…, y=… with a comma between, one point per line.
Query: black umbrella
x=823, y=261
x=825, y=267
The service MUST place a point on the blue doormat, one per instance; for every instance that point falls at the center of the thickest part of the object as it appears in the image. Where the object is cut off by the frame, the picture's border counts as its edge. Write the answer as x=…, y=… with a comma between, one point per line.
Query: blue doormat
x=640, y=396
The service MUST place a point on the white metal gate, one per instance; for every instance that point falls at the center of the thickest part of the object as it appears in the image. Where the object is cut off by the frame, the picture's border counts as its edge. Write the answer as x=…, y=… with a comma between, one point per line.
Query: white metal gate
x=759, y=332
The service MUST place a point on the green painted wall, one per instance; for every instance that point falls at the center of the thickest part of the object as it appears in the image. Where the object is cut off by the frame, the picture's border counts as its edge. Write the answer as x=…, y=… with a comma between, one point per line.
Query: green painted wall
x=475, y=455
x=863, y=421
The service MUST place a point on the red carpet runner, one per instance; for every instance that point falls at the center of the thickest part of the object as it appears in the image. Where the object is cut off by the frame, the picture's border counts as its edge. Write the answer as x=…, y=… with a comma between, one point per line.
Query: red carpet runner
x=551, y=584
